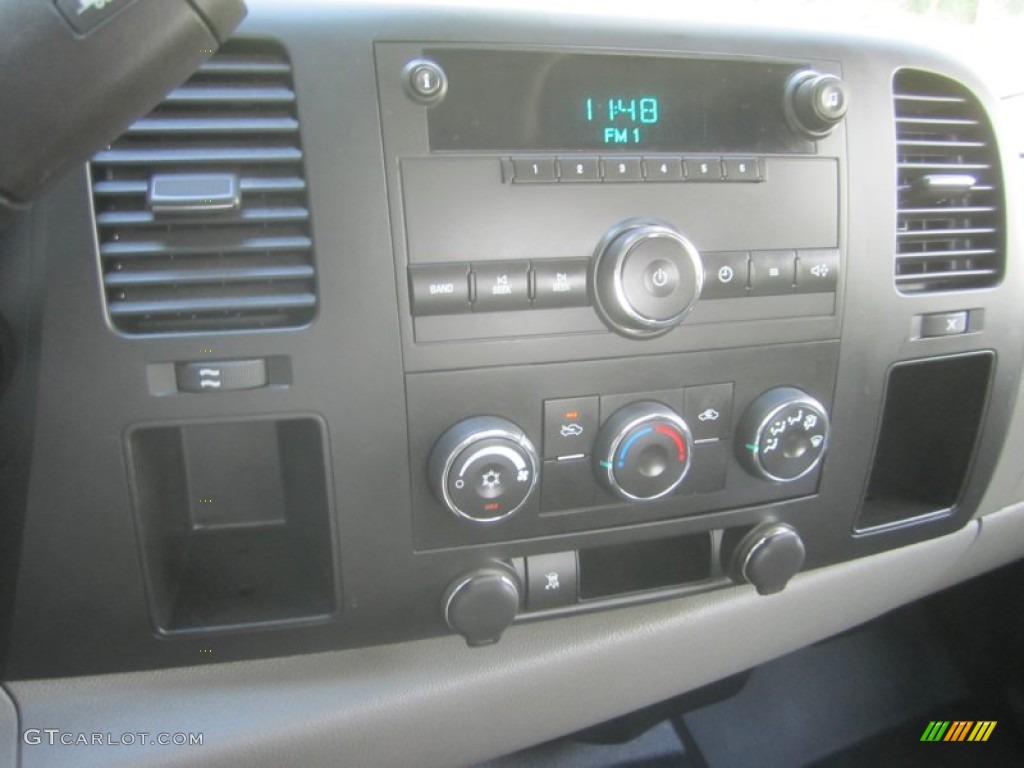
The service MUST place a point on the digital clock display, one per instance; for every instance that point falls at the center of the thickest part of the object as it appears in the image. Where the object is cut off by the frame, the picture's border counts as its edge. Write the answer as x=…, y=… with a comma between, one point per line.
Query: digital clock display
x=500, y=100
x=622, y=120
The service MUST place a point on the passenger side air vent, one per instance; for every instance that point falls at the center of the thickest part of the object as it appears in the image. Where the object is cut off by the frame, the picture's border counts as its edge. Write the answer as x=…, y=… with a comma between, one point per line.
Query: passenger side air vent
x=201, y=211
x=950, y=233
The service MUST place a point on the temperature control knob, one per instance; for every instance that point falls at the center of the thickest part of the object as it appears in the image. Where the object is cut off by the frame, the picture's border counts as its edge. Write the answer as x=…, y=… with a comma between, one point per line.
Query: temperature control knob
x=782, y=435
x=815, y=103
x=483, y=469
x=645, y=278
x=643, y=451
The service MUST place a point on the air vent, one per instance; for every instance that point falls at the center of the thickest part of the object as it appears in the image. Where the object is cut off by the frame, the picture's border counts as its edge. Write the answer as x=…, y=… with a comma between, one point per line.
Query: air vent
x=201, y=209
x=950, y=231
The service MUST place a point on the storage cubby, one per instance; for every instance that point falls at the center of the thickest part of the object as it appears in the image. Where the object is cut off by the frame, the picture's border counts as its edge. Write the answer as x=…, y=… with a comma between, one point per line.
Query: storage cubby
x=931, y=422
x=234, y=522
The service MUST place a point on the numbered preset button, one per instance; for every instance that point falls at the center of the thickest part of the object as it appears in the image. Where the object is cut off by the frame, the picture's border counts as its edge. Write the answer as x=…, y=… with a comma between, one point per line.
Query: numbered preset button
x=579, y=169
x=663, y=168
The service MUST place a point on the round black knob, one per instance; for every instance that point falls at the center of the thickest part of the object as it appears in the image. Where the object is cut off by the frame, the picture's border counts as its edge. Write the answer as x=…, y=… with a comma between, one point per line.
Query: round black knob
x=425, y=81
x=815, y=103
x=768, y=557
x=643, y=451
x=645, y=278
x=483, y=469
x=782, y=435
x=481, y=605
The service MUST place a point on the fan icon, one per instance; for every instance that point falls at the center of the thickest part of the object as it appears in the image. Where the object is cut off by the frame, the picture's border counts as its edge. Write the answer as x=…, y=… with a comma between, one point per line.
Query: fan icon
x=491, y=479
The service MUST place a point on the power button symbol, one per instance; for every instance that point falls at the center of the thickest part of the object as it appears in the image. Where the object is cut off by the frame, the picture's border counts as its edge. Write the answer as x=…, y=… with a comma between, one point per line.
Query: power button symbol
x=661, y=278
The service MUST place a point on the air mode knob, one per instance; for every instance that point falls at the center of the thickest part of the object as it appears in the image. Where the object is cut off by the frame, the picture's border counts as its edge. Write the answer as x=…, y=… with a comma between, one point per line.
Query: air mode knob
x=782, y=435
x=643, y=451
x=483, y=469
x=815, y=103
x=645, y=278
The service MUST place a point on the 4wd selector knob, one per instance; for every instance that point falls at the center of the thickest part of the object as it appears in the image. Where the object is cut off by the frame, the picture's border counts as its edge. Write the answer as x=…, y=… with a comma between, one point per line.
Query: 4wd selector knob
x=782, y=435
x=645, y=278
x=643, y=451
x=483, y=469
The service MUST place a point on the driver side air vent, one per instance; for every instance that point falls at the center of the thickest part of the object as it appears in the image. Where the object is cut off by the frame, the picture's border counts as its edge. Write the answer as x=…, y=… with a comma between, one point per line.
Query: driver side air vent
x=950, y=233
x=201, y=211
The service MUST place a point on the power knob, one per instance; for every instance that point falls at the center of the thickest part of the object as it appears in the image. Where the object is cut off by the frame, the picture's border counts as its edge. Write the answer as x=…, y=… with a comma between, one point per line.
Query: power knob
x=643, y=451
x=645, y=278
x=782, y=435
x=815, y=103
x=483, y=469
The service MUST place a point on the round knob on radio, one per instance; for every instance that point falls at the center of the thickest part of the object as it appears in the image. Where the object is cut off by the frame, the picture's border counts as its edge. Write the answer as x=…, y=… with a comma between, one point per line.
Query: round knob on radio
x=815, y=103
x=483, y=469
x=768, y=557
x=643, y=451
x=782, y=435
x=482, y=604
x=645, y=278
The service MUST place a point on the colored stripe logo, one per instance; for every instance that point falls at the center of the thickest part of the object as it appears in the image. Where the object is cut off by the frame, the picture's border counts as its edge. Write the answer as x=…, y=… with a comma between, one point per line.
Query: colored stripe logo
x=958, y=730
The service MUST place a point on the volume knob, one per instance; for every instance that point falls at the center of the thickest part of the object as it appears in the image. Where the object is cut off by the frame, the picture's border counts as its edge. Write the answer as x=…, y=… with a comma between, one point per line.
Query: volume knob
x=645, y=278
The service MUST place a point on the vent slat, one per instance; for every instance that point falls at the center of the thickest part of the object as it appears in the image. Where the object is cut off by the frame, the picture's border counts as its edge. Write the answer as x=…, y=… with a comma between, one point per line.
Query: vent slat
x=206, y=94
x=209, y=270
x=195, y=126
x=950, y=211
x=199, y=276
x=950, y=254
x=199, y=156
x=245, y=216
x=930, y=234
x=212, y=242
x=937, y=122
x=938, y=144
x=950, y=236
x=927, y=98
x=951, y=275
x=216, y=304
x=244, y=65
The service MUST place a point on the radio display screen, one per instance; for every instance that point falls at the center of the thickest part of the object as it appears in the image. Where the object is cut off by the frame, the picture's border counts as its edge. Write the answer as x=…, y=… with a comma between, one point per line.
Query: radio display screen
x=535, y=100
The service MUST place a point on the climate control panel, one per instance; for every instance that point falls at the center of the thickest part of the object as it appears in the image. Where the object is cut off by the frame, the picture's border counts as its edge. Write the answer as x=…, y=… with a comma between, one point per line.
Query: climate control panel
x=519, y=453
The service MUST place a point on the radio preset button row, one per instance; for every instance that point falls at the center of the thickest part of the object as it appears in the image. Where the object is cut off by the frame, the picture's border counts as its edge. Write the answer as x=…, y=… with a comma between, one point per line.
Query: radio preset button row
x=613, y=168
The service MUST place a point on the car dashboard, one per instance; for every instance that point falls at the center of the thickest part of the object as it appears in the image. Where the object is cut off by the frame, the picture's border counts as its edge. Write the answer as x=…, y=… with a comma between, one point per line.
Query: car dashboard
x=419, y=384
